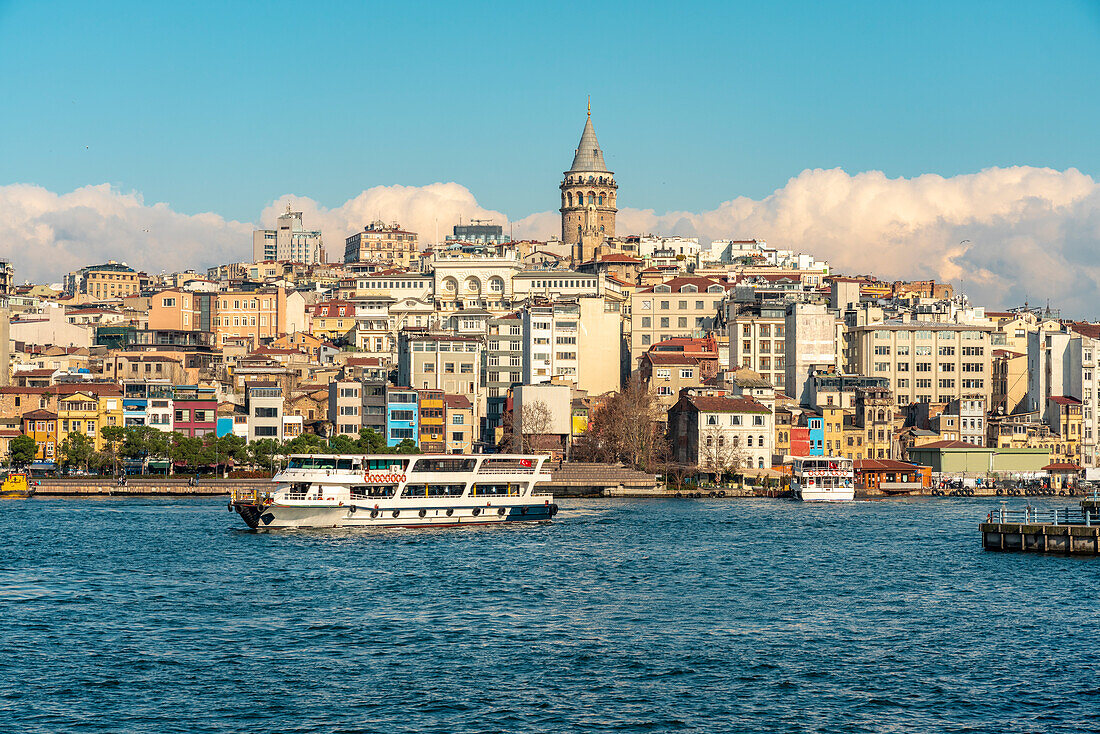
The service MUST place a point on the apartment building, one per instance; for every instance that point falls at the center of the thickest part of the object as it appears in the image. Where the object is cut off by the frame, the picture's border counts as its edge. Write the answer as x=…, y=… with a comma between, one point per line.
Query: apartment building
x=667, y=373
x=681, y=307
x=108, y=281
x=384, y=242
x=402, y=414
x=1062, y=366
x=345, y=407
x=332, y=319
x=441, y=362
x=290, y=240
x=460, y=426
x=433, y=426
x=757, y=334
x=264, y=404
x=257, y=316
x=194, y=410
x=924, y=361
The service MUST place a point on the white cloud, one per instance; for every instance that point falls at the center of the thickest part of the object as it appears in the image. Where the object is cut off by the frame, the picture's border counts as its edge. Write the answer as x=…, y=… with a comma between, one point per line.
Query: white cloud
x=1032, y=232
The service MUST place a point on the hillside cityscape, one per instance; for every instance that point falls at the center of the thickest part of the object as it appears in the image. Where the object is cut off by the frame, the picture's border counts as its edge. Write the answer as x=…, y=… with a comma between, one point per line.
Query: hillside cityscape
x=721, y=359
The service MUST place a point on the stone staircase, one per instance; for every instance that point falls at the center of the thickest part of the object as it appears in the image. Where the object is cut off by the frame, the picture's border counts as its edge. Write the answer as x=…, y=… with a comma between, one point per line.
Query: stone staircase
x=583, y=479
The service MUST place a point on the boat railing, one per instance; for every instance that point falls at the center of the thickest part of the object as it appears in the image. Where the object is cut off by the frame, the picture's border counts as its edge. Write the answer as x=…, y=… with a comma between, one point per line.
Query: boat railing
x=1035, y=516
x=506, y=470
x=244, y=494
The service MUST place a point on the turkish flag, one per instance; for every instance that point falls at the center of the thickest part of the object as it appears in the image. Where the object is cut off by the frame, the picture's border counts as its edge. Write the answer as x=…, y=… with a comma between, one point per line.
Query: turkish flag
x=525, y=462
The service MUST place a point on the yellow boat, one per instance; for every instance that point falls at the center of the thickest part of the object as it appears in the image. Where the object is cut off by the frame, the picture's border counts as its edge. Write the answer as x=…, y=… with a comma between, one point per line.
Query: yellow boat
x=15, y=486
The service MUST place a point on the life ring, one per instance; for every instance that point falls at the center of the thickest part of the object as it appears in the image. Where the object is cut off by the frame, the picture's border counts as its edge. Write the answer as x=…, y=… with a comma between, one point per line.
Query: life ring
x=500, y=511
x=477, y=511
x=374, y=513
x=395, y=513
x=422, y=513
x=351, y=509
x=450, y=511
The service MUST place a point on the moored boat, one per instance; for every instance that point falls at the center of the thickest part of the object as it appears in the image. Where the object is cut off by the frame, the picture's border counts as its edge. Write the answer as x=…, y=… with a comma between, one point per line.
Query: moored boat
x=823, y=479
x=15, y=486
x=399, y=490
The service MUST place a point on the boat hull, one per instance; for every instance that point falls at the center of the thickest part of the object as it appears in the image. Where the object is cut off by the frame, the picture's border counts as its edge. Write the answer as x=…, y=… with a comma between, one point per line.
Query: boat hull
x=823, y=495
x=277, y=516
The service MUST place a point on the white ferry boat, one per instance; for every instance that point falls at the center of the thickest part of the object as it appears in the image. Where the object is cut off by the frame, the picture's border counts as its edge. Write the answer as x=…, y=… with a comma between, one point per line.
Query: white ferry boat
x=823, y=479
x=399, y=490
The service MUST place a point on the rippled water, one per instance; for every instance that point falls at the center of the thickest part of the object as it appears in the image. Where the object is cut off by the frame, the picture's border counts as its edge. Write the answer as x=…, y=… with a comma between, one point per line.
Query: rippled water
x=624, y=615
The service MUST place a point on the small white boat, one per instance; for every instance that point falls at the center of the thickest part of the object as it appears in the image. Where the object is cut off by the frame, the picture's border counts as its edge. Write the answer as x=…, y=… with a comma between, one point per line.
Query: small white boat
x=399, y=490
x=823, y=479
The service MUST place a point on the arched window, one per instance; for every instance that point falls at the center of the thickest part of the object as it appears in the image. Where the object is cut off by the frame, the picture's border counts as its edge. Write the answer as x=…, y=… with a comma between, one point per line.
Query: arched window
x=721, y=441
x=601, y=199
x=601, y=228
x=736, y=441
x=750, y=441
x=570, y=195
x=760, y=465
x=710, y=441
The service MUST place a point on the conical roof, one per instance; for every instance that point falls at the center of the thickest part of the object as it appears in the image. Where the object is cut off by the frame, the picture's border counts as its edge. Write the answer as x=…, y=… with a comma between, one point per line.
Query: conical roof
x=589, y=157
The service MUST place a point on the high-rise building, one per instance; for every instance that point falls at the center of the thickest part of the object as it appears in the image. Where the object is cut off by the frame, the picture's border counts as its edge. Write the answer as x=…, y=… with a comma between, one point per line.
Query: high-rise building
x=587, y=198
x=290, y=240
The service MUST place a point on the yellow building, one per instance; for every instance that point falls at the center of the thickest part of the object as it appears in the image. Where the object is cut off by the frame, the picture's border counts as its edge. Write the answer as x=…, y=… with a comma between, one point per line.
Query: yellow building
x=41, y=425
x=89, y=411
x=432, y=421
x=332, y=319
x=832, y=419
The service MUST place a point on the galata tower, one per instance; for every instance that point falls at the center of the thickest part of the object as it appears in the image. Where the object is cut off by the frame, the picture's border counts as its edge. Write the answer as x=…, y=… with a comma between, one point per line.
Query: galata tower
x=587, y=198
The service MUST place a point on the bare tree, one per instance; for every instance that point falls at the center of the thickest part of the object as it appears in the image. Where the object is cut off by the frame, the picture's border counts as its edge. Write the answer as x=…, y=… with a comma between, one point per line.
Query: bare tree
x=719, y=454
x=536, y=423
x=625, y=429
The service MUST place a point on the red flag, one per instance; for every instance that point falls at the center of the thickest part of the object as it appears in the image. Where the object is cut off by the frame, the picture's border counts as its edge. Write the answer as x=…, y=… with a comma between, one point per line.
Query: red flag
x=525, y=462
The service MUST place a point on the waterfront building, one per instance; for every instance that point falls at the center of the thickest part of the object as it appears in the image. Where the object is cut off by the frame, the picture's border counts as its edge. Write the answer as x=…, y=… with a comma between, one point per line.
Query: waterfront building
x=41, y=425
x=433, y=426
x=460, y=426
x=385, y=242
x=194, y=410
x=1062, y=366
x=719, y=432
x=588, y=204
x=401, y=415
x=441, y=362
x=345, y=404
x=88, y=409
x=665, y=374
x=290, y=240
x=264, y=404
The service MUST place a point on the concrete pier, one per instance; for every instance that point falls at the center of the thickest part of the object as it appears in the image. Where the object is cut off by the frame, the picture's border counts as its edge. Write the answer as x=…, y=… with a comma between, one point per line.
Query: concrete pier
x=147, y=486
x=1068, y=531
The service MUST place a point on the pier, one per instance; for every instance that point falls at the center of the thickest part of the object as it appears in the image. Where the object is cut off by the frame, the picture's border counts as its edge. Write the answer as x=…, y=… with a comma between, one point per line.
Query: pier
x=1068, y=530
x=141, y=486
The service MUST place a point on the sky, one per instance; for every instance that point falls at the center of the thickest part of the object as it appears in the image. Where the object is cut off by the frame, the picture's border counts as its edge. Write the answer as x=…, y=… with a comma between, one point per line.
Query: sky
x=164, y=132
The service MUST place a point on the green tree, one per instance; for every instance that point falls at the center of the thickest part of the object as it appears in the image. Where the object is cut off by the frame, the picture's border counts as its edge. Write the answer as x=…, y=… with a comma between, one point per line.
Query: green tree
x=372, y=442
x=407, y=446
x=343, y=445
x=75, y=451
x=264, y=451
x=307, y=443
x=113, y=436
x=23, y=449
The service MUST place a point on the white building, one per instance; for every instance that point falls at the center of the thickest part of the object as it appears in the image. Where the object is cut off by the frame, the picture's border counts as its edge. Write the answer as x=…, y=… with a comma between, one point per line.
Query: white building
x=720, y=432
x=290, y=240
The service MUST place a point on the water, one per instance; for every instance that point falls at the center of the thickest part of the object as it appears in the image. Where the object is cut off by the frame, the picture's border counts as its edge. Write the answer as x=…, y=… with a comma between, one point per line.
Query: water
x=623, y=616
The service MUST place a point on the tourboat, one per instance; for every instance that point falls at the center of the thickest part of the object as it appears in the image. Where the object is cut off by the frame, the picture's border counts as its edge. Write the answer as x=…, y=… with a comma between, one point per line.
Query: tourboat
x=15, y=486
x=823, y=479
x=399, y=490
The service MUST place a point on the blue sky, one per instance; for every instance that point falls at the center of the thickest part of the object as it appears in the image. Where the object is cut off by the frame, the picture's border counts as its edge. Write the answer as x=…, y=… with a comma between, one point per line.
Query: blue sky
x=223, y=107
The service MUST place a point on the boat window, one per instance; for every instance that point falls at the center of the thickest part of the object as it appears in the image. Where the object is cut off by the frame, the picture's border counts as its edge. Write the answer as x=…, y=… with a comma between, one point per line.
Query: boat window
x=415, y=490
x=343, y=464
x=386, y=464
x=449, y=465
x=372, y=491
x=496, y=490
x=446, y=490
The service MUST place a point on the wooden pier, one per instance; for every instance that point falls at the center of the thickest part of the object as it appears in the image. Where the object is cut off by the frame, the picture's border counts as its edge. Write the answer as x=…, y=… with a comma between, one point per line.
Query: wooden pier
x=1067, y=531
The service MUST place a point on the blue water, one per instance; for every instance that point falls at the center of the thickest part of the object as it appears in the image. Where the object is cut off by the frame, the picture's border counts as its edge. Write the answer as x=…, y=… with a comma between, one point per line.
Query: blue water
x=623, y=616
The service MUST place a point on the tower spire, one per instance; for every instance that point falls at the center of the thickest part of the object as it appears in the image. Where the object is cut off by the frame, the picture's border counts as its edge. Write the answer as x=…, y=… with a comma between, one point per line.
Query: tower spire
x=590, y=105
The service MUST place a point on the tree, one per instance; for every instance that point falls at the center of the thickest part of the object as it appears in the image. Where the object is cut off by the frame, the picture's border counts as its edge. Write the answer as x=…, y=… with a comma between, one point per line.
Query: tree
x=407, y=446
x=624, y=429
x=372, y=442
x=262, y=452
x=23, y=450
x=340, y=444
x=306, y=443
x=536, y=422
x=719, y=454
x=113, y=436
x=75, y=450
